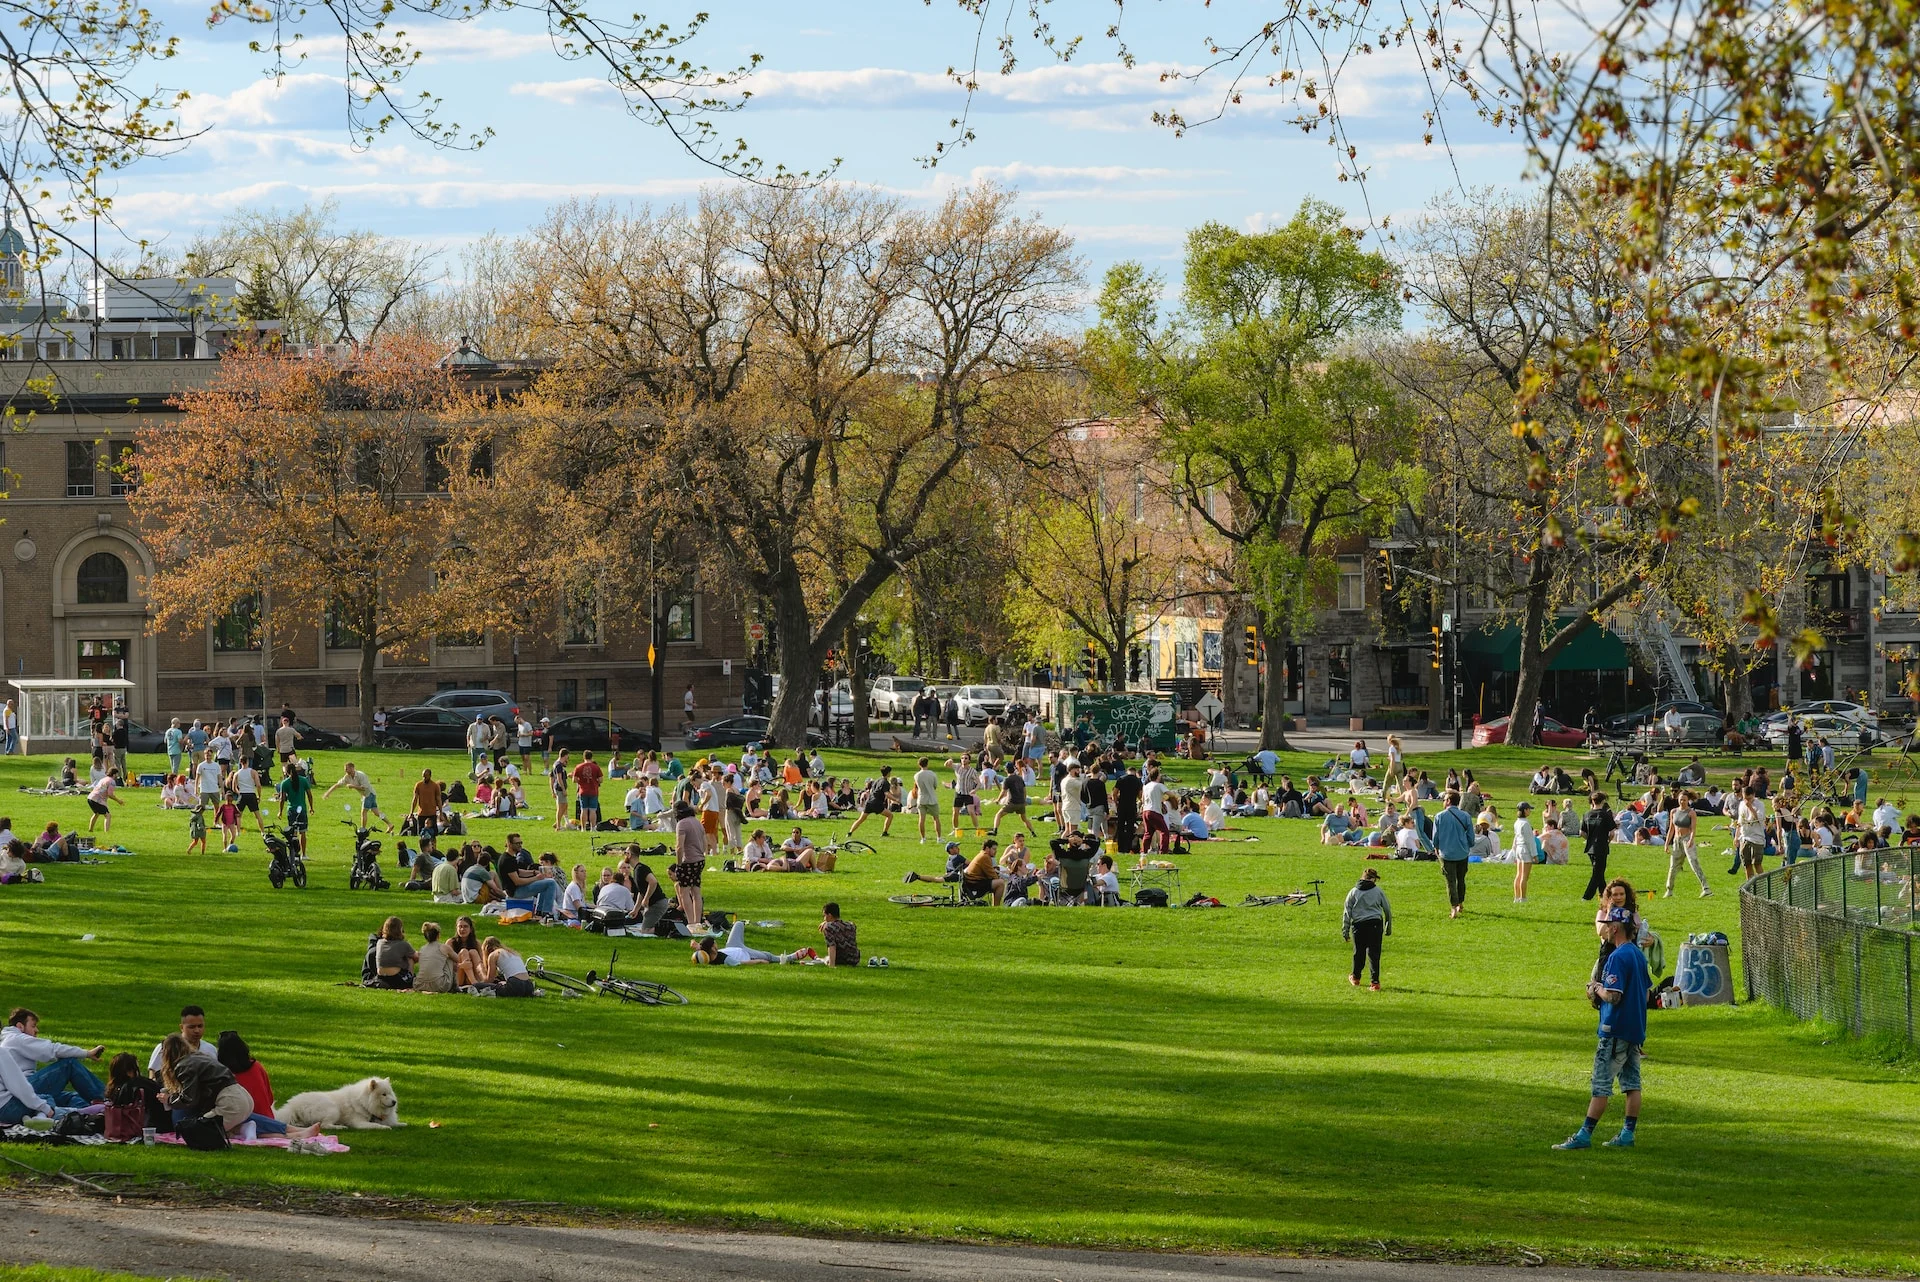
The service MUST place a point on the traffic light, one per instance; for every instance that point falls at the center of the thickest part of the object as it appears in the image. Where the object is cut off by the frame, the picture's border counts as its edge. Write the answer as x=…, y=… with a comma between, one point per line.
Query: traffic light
x=1087, y=663
x=1136, y=665
x=1385, y=557
x=1100, y=671
x=1253, y=646
x=1436, y=649
x=833, y=659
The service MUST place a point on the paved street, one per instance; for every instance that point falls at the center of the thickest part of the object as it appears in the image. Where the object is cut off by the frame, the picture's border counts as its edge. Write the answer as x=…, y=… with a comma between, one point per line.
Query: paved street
x=262, y=1246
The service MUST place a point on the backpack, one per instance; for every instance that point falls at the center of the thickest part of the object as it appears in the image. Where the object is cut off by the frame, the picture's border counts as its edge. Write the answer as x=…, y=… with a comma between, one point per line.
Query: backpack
x=1150, y=897
x=75, y=1125
x=205, y=1134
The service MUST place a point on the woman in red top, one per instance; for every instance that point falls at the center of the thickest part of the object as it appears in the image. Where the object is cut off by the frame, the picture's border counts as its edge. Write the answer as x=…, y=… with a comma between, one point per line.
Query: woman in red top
x=249, y=1072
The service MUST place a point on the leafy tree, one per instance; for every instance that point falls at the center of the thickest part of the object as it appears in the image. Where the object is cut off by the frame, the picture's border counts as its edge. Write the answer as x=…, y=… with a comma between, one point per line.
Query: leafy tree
x=325, y=461
x=1278, y=443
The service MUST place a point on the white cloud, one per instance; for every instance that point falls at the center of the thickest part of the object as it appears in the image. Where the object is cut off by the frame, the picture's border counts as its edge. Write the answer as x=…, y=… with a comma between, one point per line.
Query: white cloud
x=173, y=208
x=442, y=42
x=568, y=93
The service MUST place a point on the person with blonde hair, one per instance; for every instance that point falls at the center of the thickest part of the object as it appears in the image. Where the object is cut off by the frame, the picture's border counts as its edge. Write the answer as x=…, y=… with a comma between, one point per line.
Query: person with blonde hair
x=1396, y=763
x=504, y=970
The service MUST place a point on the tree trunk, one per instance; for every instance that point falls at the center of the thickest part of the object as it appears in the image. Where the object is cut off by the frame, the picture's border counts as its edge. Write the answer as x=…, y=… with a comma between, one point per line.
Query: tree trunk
x=857, y=690
x=1739, y=692
x=1273, y=701
x=1116, y=665
x=799, y=664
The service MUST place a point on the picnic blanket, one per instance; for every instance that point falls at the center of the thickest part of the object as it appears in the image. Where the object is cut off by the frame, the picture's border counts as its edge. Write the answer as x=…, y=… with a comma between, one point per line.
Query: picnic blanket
x=318, y=1144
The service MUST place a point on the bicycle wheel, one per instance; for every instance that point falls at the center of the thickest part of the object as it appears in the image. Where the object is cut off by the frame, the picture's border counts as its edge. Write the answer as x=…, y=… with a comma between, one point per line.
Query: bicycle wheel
x=300, y=876
x=915, y=901
x=565, y=983
x=855, y=845
x=644, y=991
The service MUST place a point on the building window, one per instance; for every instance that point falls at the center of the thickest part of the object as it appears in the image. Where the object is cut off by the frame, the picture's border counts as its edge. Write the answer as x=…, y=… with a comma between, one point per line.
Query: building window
x=1353, y=583
x=480, y=461
x=366, y=464
x=580, y=618
x=433, y=466
x=223, y=699
x=567, y=697
x=1340, y=678
x=253, y=697
x=124, y=474
x=1211, y=650
x=445, y=685
x=338, y=632
x=238, y=630
x=681, y=616
x=102, y=580
x=79, y=469
x=596, y=694
x=337, y=696
x=461, y=640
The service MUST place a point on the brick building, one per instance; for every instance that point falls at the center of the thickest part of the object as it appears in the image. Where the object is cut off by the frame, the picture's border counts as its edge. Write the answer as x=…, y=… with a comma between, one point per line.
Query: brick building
x=72, y=570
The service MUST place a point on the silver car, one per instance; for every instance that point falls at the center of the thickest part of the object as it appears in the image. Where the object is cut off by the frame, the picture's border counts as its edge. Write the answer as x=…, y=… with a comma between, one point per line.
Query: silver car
x=977, y=703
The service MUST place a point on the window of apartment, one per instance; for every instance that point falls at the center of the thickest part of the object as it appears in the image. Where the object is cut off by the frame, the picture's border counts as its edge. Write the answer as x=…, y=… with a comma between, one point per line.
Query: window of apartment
x=253, y=696
x=566, y=697
x=53, y=351
x=337, y=697
x=596, y=694
x=1353, y=584
x=223, y=699
x=366, y=464
x=580, y=618
x=480, y=462
x=238, y=630
x=124, y=473
x=101, y=580
x=79, y=469
x=1212, y=651
x=680, y=617
x=338, y=631
x=433, y=466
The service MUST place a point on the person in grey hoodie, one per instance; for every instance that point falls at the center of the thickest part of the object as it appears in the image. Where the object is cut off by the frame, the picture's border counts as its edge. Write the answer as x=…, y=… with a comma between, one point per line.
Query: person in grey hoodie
x=1366, y=920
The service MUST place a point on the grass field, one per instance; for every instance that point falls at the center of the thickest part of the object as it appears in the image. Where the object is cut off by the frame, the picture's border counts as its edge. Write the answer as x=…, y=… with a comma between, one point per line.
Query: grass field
x=1154, y=1079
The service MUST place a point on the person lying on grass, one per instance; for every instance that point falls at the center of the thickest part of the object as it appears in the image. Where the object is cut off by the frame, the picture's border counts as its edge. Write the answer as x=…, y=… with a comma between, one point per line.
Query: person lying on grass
x=736, y=953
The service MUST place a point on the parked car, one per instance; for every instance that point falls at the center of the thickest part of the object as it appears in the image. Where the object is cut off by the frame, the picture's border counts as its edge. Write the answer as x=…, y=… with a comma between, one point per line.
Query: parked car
x=893, y=697
x=141, y=739
x=589, y=730
x=490, y=703
x=311, y=738
x=426, y=727
x=840, y=700
x=1628, y=723
x=1843, y=708
x=977, y=703
x=1554, y=734
x=1838, y=730
x=737, y=731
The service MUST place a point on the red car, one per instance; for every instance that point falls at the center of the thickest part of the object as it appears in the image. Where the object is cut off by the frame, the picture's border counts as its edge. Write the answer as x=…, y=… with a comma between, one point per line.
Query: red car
x=1552, y=734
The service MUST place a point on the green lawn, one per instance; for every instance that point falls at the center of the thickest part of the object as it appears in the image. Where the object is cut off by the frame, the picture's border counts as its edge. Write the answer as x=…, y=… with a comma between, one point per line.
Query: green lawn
x=1154, y=1079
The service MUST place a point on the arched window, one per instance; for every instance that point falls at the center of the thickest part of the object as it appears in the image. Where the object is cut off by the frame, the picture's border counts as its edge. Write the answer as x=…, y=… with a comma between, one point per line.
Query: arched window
x=102, y=580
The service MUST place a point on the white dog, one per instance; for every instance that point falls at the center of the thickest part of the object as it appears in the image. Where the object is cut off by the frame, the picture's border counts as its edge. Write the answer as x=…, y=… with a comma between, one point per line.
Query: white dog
x=364, y=1106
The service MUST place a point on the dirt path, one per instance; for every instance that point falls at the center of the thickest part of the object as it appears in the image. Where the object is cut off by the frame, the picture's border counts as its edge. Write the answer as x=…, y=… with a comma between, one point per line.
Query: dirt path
x=266, y=1246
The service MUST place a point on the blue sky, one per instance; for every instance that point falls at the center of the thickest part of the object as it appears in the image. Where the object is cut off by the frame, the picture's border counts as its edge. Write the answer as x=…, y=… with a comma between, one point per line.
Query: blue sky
x=861, y=81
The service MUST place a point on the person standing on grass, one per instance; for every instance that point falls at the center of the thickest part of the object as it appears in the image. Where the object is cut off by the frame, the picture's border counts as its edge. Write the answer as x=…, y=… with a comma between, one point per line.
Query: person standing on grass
x=97, y=798
x=1453, y=838
x=1597, y=830
x=1621, y=994
x=1682, y=846
x=245, y=785
x=586, y=784
x=426, y=804
x=1750, y=831
x=926, y=800
x=689, y=862
x=296, y=797
x=1524, y=850
x=558, y=774
x=357, y=780
x=1366, y=920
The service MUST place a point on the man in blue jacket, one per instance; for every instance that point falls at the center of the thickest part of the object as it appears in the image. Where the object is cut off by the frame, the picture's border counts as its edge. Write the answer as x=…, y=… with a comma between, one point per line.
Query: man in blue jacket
x=1453, y=838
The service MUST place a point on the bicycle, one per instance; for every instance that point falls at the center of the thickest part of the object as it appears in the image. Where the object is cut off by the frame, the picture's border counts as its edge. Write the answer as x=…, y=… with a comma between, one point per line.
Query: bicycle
x=644, y=991
x=1294, y=899
x=952, y=899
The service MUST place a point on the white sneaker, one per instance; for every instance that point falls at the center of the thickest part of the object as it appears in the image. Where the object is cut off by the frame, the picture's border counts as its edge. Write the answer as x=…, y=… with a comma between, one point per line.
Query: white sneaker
x=1706, y=892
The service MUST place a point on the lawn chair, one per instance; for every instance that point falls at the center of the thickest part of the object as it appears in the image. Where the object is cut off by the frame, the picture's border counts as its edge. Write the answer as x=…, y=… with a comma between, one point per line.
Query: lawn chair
x=1071, y=888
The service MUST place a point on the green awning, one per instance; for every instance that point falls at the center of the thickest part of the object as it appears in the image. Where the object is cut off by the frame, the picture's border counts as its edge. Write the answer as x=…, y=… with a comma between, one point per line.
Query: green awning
x=1594, y=650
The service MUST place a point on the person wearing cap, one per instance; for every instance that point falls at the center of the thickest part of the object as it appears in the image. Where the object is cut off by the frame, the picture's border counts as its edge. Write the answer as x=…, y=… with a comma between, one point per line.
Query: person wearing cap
x=1525, y=849
x=956, y=865
x=476, y=743
x=1621, y=995
x=1366, y=920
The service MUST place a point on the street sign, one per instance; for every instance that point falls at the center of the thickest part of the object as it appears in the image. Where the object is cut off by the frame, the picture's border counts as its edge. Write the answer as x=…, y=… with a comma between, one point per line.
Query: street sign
x=726, y=667
x=757, y=631
x=1210, y=707
x=1446, y=622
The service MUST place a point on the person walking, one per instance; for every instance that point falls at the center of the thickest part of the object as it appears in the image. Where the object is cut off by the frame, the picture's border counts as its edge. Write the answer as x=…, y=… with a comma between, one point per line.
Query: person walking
x=1596, y=828
x=476, y=744
x=1682, y=845
x=1453, y=838
x=950, y=713
x=688, y=706
x=1366, y=920
x=1621, y=995
x=11, y=730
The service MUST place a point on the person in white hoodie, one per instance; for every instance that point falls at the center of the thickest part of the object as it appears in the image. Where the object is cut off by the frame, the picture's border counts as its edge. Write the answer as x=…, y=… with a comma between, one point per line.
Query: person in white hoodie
x=1524, y=850
x=52, y=1069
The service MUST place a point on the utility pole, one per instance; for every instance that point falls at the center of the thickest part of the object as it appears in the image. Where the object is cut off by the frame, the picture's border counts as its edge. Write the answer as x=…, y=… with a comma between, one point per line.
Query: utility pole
x=656, y=677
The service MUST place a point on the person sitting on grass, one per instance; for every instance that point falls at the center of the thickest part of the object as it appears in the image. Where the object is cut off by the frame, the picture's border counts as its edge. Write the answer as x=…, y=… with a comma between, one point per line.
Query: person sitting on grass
x=128, y=1087
x=237, y=1058
x=504, y=970
x=199, y=1085
x=13, y=862
x=51, y=847
x=757, y=853
x=981, y=878
x=1541, y=783
x=843, y=941
x=437, y=969
x=468, y=959
x=736, y=953
x=1335, y=828
x=1193, y=824
x=392, y=958
x=54, y=1069
x=956, y=868
x=797, y=854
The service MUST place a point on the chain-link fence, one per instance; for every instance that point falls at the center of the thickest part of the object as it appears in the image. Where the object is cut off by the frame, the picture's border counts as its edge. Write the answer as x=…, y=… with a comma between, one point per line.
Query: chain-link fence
x=1833, y=939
